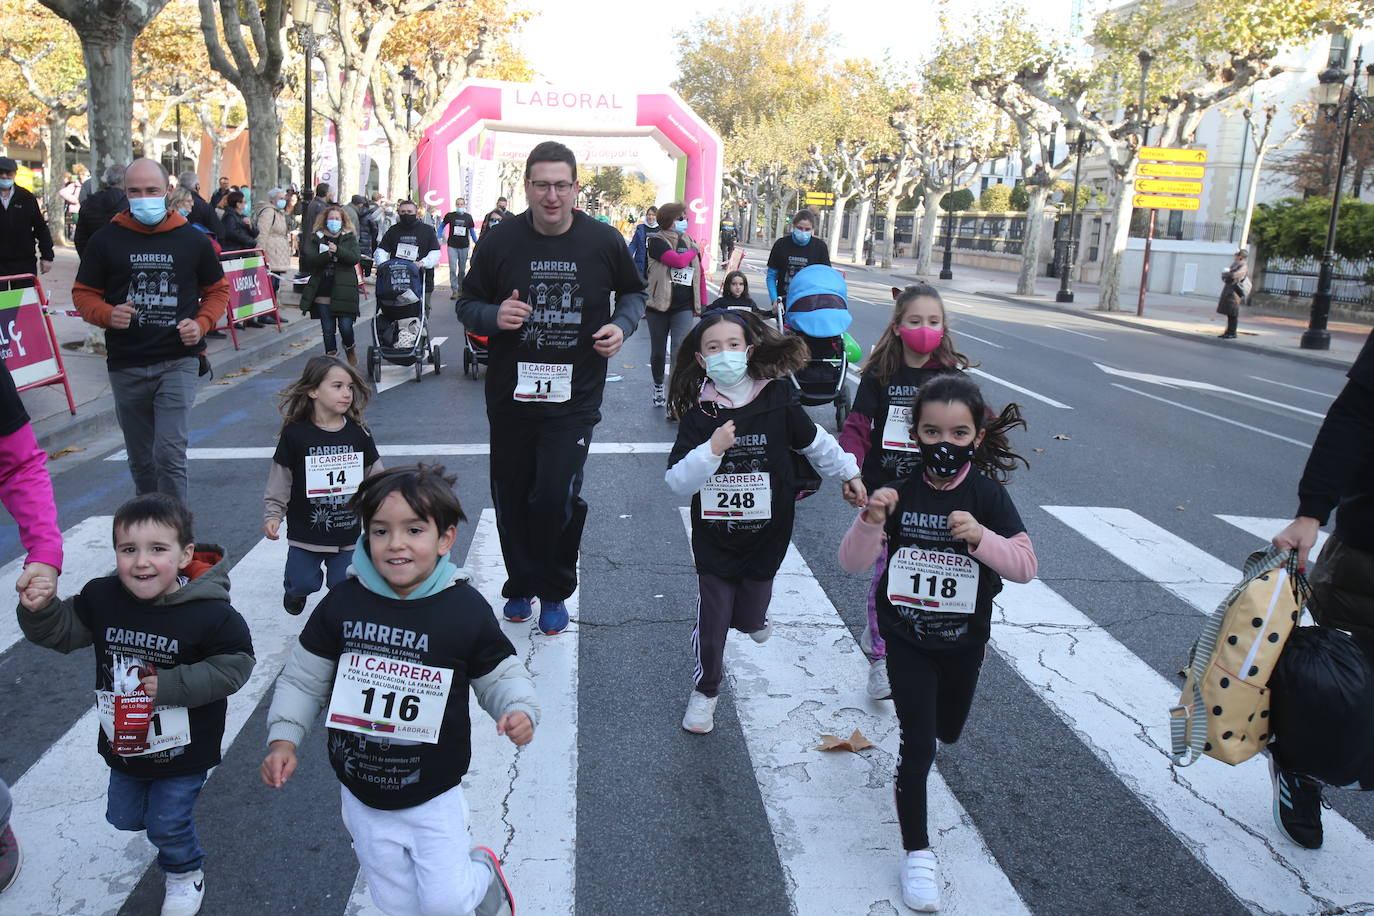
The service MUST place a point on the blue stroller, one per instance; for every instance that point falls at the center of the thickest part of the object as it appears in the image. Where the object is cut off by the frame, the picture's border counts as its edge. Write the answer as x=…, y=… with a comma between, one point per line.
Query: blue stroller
x=400, y=330
x=817, y=310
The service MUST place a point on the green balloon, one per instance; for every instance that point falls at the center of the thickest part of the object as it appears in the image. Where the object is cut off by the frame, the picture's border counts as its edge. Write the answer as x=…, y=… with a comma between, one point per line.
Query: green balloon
x=852, y=350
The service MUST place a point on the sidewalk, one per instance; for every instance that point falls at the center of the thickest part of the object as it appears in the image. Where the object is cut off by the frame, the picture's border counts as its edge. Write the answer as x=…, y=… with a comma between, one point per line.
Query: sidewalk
x=56, y=428
x=1188, y=317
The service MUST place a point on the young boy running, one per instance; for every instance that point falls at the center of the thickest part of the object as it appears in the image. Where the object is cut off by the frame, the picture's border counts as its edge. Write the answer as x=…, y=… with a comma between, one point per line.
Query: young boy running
x=393, y=650
x=169, y=651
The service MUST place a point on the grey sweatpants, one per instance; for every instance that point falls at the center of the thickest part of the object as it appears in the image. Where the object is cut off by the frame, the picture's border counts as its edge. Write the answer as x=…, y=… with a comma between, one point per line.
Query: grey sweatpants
x=153, y=407
x=723, y=605
x=661, y=324
x=457, y=267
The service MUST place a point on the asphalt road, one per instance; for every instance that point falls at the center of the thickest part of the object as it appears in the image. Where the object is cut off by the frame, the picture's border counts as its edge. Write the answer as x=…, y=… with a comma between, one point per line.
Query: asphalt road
x=1075, y=807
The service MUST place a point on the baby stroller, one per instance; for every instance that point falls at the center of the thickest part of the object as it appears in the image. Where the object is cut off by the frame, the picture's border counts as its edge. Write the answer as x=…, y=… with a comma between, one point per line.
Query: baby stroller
x=400, y=332
x=817, y=310
x=474, y=354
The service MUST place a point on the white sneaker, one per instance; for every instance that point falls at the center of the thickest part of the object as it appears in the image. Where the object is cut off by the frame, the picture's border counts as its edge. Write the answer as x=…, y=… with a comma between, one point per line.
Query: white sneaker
x=184, y=894
x=761, y=636
x=921, y=882
x=878, y=686
x=701, y=714
x=660, y=396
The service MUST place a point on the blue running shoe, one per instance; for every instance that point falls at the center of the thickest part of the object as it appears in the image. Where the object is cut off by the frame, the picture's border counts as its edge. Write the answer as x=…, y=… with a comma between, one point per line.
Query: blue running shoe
x=518, y=610
x=553, y=617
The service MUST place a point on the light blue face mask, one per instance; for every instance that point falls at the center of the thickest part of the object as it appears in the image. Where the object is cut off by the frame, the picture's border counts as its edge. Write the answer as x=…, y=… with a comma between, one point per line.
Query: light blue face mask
x=148, y=210
x=728, y=367
x=281, y=203
x=680, y=225
x=801, y=237
x=6, y=183
x=333, y=225
x=184, y=213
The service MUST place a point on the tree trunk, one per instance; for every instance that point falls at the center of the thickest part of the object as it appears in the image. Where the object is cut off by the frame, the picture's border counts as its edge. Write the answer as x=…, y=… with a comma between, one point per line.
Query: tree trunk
x=107, y=48
x=930, y=222
x=890, y=227
x=1120, y=208
x=1250, y=191
x=54, y=151
x=1030, y=244
x=398, y=173
x=768, y=207
x=261, y=107
x=861, y=229
x=837, y=224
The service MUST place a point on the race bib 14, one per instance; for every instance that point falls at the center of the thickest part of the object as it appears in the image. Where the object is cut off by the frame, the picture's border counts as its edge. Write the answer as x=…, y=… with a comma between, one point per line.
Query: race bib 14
x=333, y=475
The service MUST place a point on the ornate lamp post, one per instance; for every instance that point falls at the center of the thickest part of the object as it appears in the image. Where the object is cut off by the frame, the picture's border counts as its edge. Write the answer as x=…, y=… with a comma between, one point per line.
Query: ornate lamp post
x=1359, y=107
x=176, y=94
x=880, y=167
x=1077, y=139
x=947, y=269
x=412, y=88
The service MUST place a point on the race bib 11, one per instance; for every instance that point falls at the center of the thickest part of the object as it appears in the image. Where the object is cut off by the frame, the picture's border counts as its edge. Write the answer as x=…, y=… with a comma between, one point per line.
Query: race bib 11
x=375, y=695
x=897, y=430
x=933, y=580
x=333, y=475
x=548, y=382
x=737, y=497
x=169, y=726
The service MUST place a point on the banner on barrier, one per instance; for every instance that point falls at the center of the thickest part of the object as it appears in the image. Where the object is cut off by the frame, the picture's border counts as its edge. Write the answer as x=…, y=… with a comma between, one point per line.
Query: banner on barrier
x=25, y=346
x=250, y=287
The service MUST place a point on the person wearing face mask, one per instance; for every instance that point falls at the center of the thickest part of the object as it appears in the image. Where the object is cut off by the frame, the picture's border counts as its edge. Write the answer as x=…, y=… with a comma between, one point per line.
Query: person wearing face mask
x=274, y=234
x=328, y=254
x=740, y=424
x=413, y=239
x=676, y=290
x=22, y=227
x=155, y=284
x=101, y=206
x=799, y=248
x=639, y=242
x=461, y=235
x=493, y=219
x=239, y=232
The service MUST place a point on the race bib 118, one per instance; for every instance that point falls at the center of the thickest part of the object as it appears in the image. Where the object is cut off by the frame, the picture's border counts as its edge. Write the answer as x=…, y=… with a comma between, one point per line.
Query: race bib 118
x=548, y=382
x=933, y=580
x=375, y=695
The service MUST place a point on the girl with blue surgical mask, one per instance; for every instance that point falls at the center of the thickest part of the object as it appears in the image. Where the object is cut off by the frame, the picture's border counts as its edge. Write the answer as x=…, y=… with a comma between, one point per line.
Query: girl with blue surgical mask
x=799, y=248
x=739, y=425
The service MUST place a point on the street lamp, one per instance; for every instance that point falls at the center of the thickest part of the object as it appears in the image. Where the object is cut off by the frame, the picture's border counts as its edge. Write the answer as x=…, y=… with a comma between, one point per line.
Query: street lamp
x=1077, y=139
x=412, y=86
x=880, y=166
x=1145, y=57
x=947, y=269
x=176, y=94
x=309, y=24
x=1359, y=106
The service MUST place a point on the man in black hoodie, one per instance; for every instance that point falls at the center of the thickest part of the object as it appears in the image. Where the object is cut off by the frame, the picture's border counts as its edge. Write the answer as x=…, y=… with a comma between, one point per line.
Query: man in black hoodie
x=101, y=207
x=22, y=226
x=201, y=212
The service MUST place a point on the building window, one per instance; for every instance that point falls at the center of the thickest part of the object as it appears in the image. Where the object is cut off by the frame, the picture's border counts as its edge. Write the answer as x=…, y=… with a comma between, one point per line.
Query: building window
x=1339, y=55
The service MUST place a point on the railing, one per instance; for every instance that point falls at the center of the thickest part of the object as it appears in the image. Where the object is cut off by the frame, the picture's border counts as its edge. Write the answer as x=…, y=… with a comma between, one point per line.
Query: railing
x=1351, y=281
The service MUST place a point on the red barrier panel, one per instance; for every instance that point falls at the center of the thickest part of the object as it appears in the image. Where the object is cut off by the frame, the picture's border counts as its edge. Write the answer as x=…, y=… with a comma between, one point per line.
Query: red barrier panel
x=250, y=289
x=28, y=344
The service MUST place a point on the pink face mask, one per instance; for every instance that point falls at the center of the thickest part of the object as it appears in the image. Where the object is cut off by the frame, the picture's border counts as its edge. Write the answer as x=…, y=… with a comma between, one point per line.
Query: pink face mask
x=921, y=340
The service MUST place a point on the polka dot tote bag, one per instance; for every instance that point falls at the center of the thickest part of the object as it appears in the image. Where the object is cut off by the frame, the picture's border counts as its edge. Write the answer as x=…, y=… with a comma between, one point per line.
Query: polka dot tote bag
x=1224, y=709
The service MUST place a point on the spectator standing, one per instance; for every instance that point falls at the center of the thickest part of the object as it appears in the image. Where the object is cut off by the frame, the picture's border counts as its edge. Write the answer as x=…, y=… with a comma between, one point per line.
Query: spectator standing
x=223, y=189
x=639, y=242
x=101, y=207
x=493, y=219
x=22, y=227
x=274, y=237
x=239, y=232
x=1235, y=289
x=201, y=212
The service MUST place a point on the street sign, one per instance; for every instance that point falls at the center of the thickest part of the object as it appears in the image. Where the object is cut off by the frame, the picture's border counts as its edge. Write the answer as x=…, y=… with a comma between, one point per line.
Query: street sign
x=819, y=199
x=1157, y=186
x=1166, y=170
x=1169, y=154
x=1158, y=202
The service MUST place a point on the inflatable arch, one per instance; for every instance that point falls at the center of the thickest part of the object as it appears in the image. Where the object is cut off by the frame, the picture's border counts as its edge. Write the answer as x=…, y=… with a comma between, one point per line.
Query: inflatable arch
x=490, y=123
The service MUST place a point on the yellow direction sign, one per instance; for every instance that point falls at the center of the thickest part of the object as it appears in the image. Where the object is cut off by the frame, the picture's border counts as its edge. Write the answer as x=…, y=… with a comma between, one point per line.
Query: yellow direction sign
x=1158, y=202
x=819, y=199
x=1166, y=170
x=1157, y=186
x=1169, y=154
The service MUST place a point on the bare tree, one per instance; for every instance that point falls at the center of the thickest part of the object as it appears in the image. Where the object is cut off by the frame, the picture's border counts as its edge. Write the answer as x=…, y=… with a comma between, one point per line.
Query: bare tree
x=1261, y=134
x=844, y=168
x=107, y=29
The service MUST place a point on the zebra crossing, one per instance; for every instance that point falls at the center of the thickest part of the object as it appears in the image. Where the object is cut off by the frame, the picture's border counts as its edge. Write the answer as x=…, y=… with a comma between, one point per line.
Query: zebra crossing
x=830, y=815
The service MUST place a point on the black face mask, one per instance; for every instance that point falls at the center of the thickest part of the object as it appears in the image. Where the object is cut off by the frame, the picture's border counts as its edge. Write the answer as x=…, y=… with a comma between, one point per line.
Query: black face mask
x=944, y=459
x=407, y=219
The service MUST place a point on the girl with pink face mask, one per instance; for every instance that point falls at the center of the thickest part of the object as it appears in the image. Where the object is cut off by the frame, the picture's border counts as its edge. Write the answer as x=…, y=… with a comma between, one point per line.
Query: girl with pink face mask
x=915, y=347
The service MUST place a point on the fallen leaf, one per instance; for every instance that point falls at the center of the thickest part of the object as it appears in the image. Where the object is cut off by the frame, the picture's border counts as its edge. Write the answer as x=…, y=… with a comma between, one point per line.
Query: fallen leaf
x=1060, y=436
x=220, y=383
x=854, y=743
x=1181, y=508
x=1037, y=449
x=627, y=366
x=65, y=451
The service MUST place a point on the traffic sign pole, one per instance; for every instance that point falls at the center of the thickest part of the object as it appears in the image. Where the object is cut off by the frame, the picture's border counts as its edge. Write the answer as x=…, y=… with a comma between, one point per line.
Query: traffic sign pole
x=1148, y=179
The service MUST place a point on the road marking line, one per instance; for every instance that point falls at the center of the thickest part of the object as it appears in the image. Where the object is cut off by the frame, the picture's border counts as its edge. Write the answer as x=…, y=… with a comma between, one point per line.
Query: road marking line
x=1117, y=706
x=962, y=333
x=421, y=450
x=1026, y=391
x=536, y=841
x=1260, y=378
x=1266, y=528
x=88, y=866
x=87, y=552
x=1256, y=429
x=1169, y=382
x=1071, y=331
x=833, y=864
x=393, y=375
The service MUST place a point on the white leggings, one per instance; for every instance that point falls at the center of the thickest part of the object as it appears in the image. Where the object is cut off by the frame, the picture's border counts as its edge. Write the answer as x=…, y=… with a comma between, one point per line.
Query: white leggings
x=416, y=859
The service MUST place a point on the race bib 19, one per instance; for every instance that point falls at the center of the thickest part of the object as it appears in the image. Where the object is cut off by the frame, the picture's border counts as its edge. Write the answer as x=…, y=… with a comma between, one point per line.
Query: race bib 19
x=897, y=430
x=549, y=382
x=737, y=497
x=375, y=695
x=933, y=580
x=682, y=276
x=169, y=727
x=408, y=252
x=333, y=475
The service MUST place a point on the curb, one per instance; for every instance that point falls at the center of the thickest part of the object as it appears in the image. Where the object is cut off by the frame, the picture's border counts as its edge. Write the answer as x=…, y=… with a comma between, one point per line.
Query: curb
x=96, y=417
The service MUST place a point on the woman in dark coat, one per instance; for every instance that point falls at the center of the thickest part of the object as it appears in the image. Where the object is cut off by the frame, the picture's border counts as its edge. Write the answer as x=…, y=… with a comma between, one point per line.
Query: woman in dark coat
x=239, y=232
x=1234, y=286
x=329, y=254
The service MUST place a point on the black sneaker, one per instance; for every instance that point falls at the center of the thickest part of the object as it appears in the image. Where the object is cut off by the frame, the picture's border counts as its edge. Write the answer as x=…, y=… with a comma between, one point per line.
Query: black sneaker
x=1297, y=807
x=10, y=858
x=293, y=604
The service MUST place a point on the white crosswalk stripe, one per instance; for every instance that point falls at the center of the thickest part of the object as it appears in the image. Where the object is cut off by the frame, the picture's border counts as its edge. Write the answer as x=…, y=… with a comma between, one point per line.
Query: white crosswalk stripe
x=393, y=375
x=536, y=785
x=86, y=554
x=1265, y=528
x=849, y=864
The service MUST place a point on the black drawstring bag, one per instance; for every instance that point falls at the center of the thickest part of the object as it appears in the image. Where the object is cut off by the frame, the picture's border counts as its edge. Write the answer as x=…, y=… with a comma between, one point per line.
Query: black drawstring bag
x=1323, y=706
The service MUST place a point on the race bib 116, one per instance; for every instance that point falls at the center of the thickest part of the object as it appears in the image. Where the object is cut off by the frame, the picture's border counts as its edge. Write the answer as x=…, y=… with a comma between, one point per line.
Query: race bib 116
x=376, y=695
